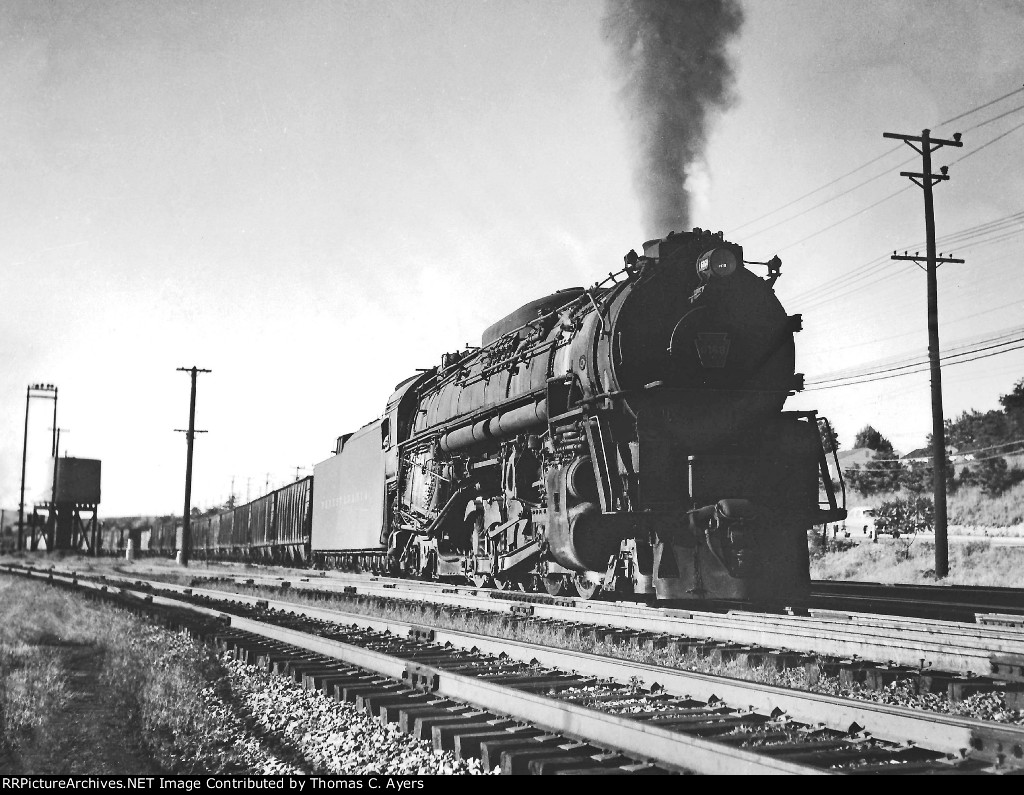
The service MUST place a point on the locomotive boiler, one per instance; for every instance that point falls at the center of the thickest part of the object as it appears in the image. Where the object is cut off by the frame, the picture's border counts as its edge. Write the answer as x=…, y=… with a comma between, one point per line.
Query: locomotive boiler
x=629, y=437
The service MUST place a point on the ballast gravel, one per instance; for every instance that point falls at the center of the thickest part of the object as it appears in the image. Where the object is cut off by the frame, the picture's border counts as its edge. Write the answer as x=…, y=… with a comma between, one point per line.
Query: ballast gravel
x=981, y=706
x=334, y=737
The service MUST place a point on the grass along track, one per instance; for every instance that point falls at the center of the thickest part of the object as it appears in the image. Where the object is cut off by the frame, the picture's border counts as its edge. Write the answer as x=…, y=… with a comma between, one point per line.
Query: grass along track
x=86, y=689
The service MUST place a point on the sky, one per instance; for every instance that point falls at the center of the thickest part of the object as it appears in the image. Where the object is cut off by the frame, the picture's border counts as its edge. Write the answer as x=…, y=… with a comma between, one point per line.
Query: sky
x=313, y=199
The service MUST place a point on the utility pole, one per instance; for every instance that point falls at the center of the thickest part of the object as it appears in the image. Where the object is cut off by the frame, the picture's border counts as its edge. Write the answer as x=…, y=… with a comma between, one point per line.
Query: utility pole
x=24, y=461
x=186, y=524
x=41, y=390
x=924, y=145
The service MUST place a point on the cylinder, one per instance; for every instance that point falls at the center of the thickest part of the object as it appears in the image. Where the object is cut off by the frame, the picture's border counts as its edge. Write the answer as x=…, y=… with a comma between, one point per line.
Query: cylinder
x=579, y=480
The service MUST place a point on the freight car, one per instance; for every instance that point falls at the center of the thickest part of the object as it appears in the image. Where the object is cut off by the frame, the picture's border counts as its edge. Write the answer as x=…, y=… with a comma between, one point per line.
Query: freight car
x=626, y=438
x=274, y=528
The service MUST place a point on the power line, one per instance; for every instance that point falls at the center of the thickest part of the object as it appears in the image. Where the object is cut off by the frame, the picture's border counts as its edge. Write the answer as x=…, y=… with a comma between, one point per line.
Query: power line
x=898, y=462
x=811, y=193
x=844, y=220
x=988, y=144
x=994, y=446
x=909, y=365
x=960, y=348
x=994, y=118
x=961, y=236
x=870, y=278
x=876, y=159
x=880, y=201
x=877, y=176
x=954, y=321
x=922, y=369
x=980, y=107
x=824, y=202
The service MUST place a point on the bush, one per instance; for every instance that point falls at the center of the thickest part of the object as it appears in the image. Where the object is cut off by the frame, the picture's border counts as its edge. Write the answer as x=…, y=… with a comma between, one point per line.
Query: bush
x=995, y=476
x=905, y=515
x=823, y=542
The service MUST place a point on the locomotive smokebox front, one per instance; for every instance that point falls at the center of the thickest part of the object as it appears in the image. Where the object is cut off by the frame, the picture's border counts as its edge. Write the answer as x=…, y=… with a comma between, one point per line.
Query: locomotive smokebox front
x=700, y=325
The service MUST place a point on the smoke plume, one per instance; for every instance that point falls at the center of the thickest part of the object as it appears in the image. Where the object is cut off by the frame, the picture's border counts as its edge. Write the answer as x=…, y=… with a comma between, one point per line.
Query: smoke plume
x=676, y=72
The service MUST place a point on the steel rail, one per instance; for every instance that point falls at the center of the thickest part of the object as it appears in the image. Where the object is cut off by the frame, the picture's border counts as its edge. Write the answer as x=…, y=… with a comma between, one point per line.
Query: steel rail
x=966, y=629
x=642, y=740
x=949, y=646
x=976, y=595
x=941, y=732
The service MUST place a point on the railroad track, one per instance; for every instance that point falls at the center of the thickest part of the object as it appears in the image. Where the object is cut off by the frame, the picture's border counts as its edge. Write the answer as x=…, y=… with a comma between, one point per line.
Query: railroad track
x=956, y=659
x=1004, y=606
x=906, y=646
x=540, y=709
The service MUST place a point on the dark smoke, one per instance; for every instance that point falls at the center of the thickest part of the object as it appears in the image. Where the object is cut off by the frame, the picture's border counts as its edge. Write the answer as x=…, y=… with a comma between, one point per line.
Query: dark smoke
x=676, y=72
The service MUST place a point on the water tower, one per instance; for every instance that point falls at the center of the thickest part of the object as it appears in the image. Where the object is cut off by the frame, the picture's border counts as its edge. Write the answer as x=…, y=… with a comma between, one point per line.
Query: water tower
x=69, y=503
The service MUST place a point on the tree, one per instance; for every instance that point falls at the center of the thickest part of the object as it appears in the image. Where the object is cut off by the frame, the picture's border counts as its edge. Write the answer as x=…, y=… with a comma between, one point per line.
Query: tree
x=905, y=515
x=995, y=476
x=1013, y=408
x=882, y=473
x=873, y=440
x=829, y=437
x=918, y=478
x=974, y=430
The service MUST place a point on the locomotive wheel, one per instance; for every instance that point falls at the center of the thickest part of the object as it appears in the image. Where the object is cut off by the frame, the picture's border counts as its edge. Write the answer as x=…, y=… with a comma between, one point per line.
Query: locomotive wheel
x=508, y=585
x=481, y=580
x=586, y=587
x=556, y=584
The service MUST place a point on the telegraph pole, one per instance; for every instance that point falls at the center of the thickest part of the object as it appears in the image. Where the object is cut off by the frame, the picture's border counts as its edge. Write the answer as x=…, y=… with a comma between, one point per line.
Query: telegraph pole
x=40, y=390
x=924, y=145
x=186, y=524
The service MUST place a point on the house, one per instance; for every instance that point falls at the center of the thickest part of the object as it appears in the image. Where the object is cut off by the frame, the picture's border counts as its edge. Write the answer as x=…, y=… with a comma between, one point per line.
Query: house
x=923, y=455
x=859, y=455
x=849, y=458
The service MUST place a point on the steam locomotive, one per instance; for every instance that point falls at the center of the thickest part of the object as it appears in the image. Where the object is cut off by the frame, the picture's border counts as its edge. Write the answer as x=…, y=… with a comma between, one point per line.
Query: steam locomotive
x=626, y=438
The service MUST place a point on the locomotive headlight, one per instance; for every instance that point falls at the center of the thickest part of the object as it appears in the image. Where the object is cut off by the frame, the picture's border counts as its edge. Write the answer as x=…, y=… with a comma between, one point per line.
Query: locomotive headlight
x=717, y=262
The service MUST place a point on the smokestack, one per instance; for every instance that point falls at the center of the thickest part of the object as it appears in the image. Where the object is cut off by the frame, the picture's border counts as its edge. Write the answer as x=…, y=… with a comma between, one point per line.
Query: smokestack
x=675, y=70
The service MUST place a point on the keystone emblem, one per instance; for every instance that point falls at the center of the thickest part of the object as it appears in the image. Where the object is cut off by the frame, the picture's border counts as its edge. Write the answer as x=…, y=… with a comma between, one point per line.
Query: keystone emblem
x=712, y=348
